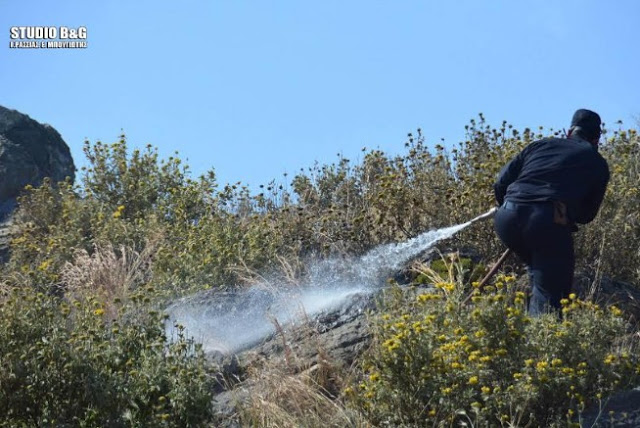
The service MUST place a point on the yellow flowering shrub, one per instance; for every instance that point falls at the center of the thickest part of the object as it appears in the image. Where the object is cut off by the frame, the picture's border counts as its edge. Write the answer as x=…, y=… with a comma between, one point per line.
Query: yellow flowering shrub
x=455, y=354
x=65, y=362
x=212, y=232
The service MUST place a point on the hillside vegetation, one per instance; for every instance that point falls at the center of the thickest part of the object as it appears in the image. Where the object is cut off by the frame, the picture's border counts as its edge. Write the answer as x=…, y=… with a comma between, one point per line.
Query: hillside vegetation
x=82, y=334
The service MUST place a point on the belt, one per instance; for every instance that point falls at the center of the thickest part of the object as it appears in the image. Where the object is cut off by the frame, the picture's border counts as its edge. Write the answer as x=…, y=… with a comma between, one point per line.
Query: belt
x=510, y=205
x=558, y=211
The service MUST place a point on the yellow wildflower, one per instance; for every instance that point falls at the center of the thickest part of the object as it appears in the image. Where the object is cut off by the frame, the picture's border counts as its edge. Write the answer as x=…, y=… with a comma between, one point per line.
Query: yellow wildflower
x=541, y=366
x=615, y=311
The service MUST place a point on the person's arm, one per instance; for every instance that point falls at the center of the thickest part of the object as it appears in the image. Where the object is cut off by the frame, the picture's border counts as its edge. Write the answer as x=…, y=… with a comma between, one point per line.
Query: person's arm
x=591, y=203
x=508, y=175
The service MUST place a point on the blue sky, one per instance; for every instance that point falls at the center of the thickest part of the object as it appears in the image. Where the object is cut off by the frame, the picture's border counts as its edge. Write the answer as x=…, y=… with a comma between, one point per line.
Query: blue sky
x=256, y=89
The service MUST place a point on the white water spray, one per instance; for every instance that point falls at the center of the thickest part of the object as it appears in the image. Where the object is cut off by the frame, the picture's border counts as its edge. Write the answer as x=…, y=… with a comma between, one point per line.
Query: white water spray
x=231, y=321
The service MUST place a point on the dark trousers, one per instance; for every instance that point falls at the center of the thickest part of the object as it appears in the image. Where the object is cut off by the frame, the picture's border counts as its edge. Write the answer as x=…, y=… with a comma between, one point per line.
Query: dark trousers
x=546, y=248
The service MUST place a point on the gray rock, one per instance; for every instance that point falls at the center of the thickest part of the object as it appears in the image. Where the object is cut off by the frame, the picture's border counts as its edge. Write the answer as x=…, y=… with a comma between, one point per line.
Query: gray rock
x=29, y=152
x=225, y=407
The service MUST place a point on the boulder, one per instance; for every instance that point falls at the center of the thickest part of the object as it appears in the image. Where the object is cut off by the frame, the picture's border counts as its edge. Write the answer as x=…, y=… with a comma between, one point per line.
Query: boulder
x=29, y=152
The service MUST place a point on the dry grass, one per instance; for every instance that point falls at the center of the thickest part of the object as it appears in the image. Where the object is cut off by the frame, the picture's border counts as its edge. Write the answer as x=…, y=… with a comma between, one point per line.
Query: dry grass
x=287, y=272
x=5, y=289
x=295, y=391
x=109, y=272
x=282, y=399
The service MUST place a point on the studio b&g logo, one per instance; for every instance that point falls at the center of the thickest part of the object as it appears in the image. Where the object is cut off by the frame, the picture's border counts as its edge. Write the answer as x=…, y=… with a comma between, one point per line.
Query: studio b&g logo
x=42, y=37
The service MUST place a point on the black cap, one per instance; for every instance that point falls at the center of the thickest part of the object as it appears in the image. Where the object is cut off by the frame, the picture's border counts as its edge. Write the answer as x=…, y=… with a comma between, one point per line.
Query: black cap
x=588, y=123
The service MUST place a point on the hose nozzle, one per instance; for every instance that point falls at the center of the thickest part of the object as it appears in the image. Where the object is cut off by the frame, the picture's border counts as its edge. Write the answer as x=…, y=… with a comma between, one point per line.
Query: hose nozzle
x=486, y=215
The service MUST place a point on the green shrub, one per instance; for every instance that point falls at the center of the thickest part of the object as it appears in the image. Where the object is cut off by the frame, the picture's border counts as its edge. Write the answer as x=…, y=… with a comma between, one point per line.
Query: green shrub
x=440, y=359
x=76, y=363
x=127, y=200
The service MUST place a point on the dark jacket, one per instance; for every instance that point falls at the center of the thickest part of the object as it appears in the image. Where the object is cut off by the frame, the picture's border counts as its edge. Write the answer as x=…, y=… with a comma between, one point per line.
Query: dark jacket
x=557, y=169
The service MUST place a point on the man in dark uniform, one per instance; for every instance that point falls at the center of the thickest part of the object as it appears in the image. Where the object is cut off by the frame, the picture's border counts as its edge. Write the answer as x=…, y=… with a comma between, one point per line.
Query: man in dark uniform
x=551, y=185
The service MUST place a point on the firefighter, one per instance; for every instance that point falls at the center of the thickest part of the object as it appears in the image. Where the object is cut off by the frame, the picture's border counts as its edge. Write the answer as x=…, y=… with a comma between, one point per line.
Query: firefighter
x=542, y=193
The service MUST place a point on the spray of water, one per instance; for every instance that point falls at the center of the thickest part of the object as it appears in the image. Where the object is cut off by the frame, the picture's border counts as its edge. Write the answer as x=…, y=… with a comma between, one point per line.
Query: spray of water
x=230, y=321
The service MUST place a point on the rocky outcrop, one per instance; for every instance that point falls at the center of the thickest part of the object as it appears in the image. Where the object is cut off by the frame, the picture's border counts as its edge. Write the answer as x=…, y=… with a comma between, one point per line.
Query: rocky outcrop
x=29, y=152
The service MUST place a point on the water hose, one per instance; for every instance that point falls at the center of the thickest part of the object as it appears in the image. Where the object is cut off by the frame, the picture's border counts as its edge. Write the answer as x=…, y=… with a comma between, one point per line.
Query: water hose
x=500, y=261
x=502, y=258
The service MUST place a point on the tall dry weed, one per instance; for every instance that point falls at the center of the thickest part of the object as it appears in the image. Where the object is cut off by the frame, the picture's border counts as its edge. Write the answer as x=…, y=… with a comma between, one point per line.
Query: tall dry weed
x=111, y=273
x=282, y=399
x=298, y=390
